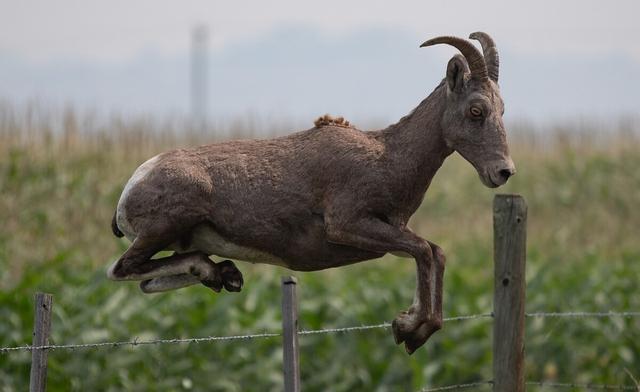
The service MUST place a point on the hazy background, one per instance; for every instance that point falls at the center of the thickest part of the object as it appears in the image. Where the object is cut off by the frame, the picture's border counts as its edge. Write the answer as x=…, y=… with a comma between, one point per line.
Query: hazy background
x=90, y=90
x=291, y=60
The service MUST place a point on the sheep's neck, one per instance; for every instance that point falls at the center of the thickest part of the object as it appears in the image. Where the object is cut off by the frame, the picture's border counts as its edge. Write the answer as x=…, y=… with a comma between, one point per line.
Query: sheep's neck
x=415, y=143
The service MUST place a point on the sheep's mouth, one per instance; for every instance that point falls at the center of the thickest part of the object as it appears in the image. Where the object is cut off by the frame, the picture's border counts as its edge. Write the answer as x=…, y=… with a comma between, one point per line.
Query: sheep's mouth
x=488, y=181
x=487, y=172
x=493, y=178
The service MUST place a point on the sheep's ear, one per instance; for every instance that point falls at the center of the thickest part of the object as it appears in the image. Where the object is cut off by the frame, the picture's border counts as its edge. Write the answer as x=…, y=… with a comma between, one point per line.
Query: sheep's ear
x=456, y=69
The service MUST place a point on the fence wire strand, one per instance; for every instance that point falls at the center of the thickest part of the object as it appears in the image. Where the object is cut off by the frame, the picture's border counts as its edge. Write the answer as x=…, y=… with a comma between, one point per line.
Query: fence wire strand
x=136, y=342
x=582, y=386
x=457, y=386
x=469, y=317
x=343, y=329
x=386, y=325
x=583, y=314
x=542, y=384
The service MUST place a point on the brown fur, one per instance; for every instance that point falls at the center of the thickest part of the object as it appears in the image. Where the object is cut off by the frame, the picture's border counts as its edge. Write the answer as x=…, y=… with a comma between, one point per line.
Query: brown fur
x=325, y=197
x=328, y=120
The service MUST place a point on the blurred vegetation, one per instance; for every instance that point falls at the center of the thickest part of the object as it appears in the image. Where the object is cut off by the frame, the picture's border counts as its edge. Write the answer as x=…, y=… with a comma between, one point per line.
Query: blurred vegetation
x=60, y=178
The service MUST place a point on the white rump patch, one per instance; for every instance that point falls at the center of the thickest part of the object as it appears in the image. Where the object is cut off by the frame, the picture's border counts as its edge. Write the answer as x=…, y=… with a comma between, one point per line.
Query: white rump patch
x=121, y=215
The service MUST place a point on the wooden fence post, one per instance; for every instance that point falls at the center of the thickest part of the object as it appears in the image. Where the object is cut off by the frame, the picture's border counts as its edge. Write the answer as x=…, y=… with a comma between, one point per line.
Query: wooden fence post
x=510, y=234
x=41, y=330
x=290, y=334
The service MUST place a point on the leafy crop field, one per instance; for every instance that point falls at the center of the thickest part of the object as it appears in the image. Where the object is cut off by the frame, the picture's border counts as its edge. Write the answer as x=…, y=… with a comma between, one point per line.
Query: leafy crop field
x=60, y=185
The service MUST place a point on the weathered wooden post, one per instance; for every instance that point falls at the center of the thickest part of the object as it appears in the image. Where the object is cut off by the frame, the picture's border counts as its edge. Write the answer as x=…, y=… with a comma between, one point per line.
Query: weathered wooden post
x=510, y=235
x=290, y=334
x=41, y=330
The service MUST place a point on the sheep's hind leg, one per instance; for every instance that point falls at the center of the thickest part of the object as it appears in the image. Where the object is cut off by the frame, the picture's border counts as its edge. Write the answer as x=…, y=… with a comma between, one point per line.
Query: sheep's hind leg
x=231, y=280
x=136, y=264
x=166, y=283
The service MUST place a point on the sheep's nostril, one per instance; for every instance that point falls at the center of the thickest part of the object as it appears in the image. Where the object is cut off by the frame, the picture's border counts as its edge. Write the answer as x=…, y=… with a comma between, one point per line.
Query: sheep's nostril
x=506, y=173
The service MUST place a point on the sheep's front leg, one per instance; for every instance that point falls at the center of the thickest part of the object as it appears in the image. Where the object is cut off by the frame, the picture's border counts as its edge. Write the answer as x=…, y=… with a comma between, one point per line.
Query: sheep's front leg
x=424, y=317
x=427, y=301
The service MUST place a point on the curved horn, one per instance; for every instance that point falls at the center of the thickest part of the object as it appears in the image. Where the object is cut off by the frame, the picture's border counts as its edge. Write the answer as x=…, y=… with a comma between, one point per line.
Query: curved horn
x=490, y=51
x=470, y=52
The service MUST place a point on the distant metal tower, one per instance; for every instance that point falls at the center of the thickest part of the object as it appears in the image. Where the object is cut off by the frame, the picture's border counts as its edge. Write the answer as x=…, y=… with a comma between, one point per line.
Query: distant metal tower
x=199, y=79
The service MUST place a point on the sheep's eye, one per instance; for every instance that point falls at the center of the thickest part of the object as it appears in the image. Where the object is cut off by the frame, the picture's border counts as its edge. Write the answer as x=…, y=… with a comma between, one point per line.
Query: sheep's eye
x=475, y=111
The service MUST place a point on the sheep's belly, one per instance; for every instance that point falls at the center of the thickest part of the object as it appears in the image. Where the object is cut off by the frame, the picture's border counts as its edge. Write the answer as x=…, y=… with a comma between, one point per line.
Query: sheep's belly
x=207, y=240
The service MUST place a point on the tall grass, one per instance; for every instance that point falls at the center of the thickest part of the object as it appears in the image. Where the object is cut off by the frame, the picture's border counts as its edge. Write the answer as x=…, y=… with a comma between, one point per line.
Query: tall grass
x=61, y=174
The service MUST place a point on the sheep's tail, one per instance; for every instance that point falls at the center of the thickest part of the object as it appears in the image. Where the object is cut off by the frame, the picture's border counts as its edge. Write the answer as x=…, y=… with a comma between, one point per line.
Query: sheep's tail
x=114, y=226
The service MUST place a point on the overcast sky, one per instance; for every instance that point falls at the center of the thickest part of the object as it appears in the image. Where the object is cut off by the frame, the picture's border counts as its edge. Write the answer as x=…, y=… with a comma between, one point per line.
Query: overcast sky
x=127, y=55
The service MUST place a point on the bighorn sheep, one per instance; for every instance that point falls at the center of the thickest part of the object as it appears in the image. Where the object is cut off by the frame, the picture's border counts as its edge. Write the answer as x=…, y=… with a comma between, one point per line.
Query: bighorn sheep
x=325, y=197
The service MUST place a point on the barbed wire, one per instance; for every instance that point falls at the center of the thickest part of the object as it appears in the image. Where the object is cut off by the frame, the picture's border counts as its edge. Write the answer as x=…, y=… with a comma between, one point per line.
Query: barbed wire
x=469, y=317
x=136, y=342
x=583, y=386
x=542, y=384
x=583, y=314
x=343, y=329
x=457, y=386
x=387, y=325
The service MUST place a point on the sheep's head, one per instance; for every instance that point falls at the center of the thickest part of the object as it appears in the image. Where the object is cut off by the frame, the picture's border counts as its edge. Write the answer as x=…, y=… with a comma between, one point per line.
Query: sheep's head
x=472, y=121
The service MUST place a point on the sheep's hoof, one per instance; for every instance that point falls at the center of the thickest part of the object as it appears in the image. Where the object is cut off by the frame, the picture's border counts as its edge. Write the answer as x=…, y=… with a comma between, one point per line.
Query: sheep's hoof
x=413, y=332
x=403, y=326
x=214, y=284
x=231, y=276
x=209, y=274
